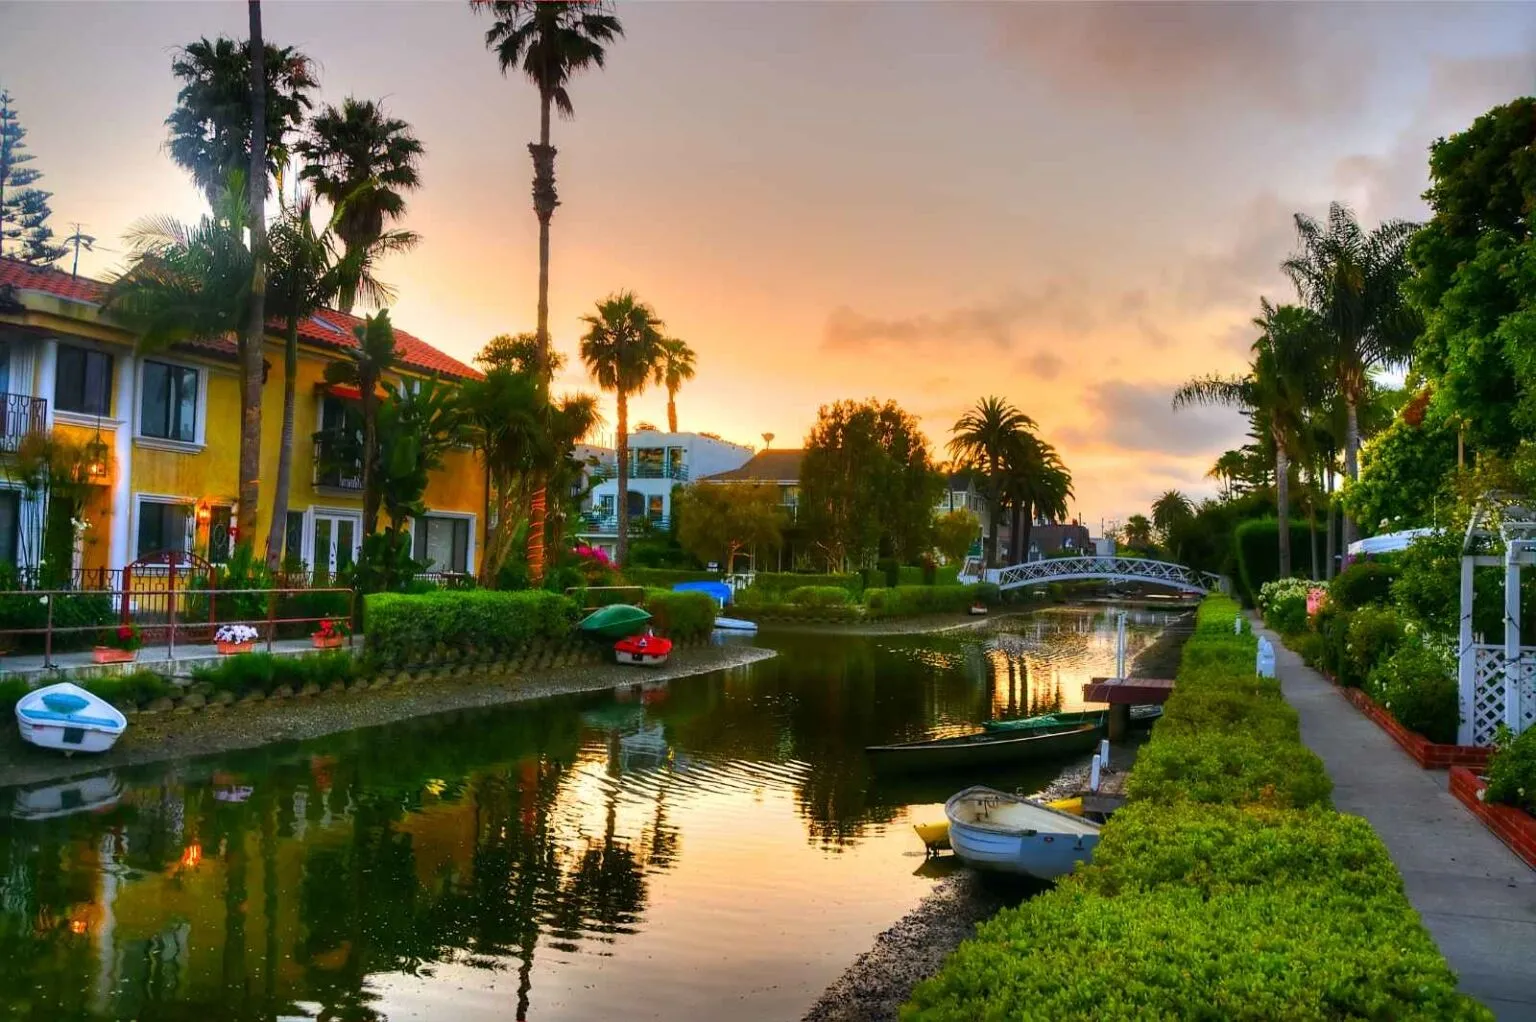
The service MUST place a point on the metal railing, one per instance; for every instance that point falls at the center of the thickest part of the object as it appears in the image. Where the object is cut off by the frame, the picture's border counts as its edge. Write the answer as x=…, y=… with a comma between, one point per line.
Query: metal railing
x=593, y=524
x=641, y=470
x=20, y=414
x=160, y=614
x=336, y=465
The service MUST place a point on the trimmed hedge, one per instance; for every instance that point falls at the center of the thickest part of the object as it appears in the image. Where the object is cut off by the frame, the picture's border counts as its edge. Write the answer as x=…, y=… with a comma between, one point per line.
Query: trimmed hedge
x=666, y=578
x=1256, y=549
x=1226, y=889
x=905, y=601
x=684, y=616
x=474, y=623
x=766, y=582
x=819, y=596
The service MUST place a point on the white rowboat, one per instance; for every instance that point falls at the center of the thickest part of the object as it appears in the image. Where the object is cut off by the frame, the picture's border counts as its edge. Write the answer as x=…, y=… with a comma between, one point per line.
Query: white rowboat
x=992, y=830
x=68, y=718
x=735, y=624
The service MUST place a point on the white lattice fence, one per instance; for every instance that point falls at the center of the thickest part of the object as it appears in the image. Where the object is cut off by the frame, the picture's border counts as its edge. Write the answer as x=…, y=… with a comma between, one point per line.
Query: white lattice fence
x=1487, y=705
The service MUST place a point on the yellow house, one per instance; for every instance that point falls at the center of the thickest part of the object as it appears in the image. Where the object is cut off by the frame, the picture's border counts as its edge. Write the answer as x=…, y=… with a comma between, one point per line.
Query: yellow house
x=162, y=431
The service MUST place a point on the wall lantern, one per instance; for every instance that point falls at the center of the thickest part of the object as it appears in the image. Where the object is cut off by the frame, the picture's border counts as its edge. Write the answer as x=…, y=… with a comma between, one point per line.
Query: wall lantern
x=96, y=455
x=204, y=512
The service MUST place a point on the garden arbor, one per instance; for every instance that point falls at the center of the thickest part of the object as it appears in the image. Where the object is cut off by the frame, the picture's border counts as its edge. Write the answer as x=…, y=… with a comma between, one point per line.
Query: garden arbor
x=1497, y=681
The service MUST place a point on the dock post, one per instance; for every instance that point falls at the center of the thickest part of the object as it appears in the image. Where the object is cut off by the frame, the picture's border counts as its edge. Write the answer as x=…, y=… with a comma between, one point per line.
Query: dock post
x=1093, y=774
x=1104, y=752
x=1119, y=721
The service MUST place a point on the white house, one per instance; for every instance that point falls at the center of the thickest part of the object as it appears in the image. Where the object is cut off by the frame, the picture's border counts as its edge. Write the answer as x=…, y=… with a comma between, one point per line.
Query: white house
x=657, y=462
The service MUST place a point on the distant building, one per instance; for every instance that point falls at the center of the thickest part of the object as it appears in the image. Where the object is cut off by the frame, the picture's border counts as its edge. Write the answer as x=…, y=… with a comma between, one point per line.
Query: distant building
x=960, y=494
x=777, y=468
x=1050, y=539
x=1104, y=546
x=658, y=462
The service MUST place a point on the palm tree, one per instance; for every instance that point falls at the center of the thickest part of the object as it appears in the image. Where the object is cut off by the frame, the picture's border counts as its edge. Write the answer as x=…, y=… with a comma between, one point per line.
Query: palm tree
x=363, y=366
x=675, y=368
x=1353, y=281
x=549, y=41
x=1169, y=511
x=256, y=311
x=1037, y=485
x=622, y=348
x=1279, y=390
x=360, y=161
x=983, y=439
x=1138, y=531
x=310, y=270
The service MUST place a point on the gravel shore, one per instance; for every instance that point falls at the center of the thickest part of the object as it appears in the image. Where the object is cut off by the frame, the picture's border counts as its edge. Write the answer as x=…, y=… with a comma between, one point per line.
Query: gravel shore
x=168, y=736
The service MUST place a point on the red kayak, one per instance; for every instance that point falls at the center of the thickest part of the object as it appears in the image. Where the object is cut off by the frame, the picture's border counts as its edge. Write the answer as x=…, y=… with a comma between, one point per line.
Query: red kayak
x=646, y=650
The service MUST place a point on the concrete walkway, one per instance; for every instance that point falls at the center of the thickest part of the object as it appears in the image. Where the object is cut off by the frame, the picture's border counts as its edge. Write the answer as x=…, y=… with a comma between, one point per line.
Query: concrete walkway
x=1476, y=897
x=187, y=655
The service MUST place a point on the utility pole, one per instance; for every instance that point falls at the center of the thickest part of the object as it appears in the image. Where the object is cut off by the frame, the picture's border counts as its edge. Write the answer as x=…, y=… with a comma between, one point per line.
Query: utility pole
x=77, y=239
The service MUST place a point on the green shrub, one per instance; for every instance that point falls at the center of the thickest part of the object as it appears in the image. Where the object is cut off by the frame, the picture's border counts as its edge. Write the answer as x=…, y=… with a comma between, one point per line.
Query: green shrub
x=70, y=610
x=1511, y=770
x=1284, y=604
x=911, y=575
x=1311, y=647
x=468, y=624
x=1417, y=684
x=1374, y=632
x=766, y=582
x=666, y=578
x=1232, y=769
x=683, y=616
x=1362, y=584
x=263, y=672
x=1331, y=623
x=1256, y=551
x=906, y=601
x=11, y=691
x=125, y=689
x=818, y=596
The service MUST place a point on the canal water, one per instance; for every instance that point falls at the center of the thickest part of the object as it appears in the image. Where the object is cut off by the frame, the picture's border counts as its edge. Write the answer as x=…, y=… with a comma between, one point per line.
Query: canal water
x=706, y=848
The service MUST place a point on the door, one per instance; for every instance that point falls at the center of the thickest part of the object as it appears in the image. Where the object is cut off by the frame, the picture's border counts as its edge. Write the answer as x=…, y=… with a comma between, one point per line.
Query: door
x=337, y=535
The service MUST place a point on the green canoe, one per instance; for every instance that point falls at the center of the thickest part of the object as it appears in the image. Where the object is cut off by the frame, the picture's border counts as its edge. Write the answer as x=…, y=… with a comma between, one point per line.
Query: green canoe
x=614, y=622
x=986, y=749
x=1047, y=721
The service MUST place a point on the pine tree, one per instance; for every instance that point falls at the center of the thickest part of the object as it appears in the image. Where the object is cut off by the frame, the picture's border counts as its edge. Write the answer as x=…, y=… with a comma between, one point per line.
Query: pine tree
x=24, y=210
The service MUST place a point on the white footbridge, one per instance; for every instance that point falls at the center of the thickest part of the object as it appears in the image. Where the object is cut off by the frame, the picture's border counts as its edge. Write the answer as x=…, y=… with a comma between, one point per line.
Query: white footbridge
x=1096, y=569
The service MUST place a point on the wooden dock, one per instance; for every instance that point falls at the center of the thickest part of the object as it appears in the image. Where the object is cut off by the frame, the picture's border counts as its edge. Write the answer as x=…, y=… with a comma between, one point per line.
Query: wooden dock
x=1123, y=693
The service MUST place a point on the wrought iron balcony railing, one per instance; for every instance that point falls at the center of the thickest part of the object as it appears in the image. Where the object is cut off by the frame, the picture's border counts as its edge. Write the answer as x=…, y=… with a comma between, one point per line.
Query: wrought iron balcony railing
x=19, y=416
x=594, y=524
x=338, y=460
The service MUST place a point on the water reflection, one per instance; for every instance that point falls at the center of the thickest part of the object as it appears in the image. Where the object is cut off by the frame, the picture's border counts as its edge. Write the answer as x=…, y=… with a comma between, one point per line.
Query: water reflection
x=651, y=850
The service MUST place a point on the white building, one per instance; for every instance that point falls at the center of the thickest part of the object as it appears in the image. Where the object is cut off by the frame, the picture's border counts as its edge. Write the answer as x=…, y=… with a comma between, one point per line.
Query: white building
x=658, y=462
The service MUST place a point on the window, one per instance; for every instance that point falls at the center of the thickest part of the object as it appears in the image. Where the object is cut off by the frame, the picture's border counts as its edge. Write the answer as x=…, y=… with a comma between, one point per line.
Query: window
x=220, y=518
x=605, y=504
x=656, y=507
x=83, y=382
x=10, y=525
x=168, y=406
x=443, y=542
x=163, y=527
x=293, y=540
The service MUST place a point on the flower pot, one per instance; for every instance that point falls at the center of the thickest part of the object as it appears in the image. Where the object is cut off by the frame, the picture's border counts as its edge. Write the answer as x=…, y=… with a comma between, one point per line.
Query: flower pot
x=322, y=641
x=231, y=648
x=113, y=655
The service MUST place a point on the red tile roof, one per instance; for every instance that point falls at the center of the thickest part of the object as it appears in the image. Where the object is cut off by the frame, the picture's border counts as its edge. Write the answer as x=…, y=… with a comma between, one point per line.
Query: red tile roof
x=328, y=328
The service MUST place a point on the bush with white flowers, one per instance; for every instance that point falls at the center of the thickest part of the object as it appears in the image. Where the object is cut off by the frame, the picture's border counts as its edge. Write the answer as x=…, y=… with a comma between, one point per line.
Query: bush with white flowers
x=1283, y=603
x=235, y=634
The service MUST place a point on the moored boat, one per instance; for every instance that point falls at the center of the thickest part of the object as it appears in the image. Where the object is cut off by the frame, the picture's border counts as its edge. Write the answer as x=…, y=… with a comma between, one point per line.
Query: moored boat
x=935, y=833
x=978, y=608
x=992, y=830
x=983, y=749
x=735, y=624
x=615, y=621
x=68, y=718
x=1047, y=721
x=645, y=650
x=77, y=795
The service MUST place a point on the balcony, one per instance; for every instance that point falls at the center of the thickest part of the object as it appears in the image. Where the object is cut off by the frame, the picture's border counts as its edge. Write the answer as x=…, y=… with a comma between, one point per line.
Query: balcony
x=597, y=524
x=339, y=460
x=22, y=415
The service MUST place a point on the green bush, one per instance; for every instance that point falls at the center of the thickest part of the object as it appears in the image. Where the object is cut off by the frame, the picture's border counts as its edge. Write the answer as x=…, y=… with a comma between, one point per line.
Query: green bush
x=1362, y=584
x=11, y=691
x=70, y=610
x=469, y=624
x=911, y=575
x=1331, y=624
x=1256, y=551
x=1417, y=684
x=1374, y=632
x=766, y=582
x=1226, y=889
x=1284, y=604
x=1511, y=770
x=129, y=689
x=666, y=578
x=1311, y=647
x=906, y=601
x=263, y=672
x=818, y=596
x=682, y=616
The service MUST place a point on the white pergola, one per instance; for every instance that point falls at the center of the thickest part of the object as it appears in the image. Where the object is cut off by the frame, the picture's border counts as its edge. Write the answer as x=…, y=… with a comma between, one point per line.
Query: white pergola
x=1497, y=682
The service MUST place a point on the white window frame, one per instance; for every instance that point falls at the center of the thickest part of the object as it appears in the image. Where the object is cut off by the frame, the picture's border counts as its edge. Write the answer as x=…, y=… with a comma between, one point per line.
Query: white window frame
x=190, y=503
x=469, y=550
x=322, y=510
x=161, y=443
x=85, y=418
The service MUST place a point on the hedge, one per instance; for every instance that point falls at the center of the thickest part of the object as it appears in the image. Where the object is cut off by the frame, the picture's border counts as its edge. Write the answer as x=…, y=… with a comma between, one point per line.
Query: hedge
x=474, y=623
x=819, y=596
x=1361, y=584
x=766, y=582
x=1256, y=550
x=666, y=578
x=903, y=601
x=1227, y=888
x=263, y=672
x=684, y=616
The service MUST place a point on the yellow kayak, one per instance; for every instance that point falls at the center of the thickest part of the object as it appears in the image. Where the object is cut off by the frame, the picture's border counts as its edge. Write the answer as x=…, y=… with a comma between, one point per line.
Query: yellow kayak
x=935, y=836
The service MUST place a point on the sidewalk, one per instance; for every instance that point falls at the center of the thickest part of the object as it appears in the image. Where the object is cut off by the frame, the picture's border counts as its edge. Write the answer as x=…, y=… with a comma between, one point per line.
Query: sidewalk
x=1477, y=899
x=156, y=658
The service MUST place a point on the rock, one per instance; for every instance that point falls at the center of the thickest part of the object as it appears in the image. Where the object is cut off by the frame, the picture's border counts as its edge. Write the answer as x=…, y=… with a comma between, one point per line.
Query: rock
x=161, y=705
x=282, y=692
x=335, y=688
x=223, y=698
x=194, y=701
x=359, y=685
x=200, y=688
x=254, y=695
x=310, y=689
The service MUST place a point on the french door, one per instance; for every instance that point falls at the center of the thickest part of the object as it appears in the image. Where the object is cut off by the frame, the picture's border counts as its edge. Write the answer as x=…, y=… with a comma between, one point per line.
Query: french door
x=336, y=537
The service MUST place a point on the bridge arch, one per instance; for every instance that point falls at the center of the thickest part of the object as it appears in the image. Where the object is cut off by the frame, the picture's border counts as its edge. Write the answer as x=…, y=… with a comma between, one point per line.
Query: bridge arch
x=1099, y=569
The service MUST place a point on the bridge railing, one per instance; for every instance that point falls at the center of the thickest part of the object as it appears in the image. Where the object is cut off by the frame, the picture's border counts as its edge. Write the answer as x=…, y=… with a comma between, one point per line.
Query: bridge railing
x=1117, y=569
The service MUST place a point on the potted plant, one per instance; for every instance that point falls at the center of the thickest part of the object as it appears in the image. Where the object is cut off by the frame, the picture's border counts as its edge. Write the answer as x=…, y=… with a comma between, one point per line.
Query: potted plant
x=232, y=639
x=333, y=632
x=122, y=646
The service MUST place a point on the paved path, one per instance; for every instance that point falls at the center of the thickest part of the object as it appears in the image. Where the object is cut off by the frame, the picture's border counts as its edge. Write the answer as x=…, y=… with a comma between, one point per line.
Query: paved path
x=158, y=658
x=1476, y=897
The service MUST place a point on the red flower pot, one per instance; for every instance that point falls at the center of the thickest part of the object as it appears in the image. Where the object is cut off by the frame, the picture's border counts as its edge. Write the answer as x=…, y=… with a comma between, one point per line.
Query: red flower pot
x=231, y=648
x=113, y=655
x=324, y=641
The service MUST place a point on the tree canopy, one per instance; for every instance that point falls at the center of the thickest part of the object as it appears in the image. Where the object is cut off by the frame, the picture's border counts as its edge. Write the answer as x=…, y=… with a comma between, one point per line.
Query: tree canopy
x=24, y=209
x=718, y=521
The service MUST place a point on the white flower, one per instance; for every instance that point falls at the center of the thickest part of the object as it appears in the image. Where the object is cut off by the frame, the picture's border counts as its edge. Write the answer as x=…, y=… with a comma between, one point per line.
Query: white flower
x=235, y=633
x=42, y=600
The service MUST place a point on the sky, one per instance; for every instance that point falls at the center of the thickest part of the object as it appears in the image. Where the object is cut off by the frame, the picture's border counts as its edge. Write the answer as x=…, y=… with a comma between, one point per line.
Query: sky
x=1075, y=206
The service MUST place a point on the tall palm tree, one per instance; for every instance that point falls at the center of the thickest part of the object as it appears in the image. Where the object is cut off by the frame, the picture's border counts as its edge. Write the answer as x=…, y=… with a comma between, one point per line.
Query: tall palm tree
x=1138, y=531
x=311, y=269
x=622, y=348
x=363, y=366
x=549, y=41
x=675, y=368
x=361, y=161
x=256, y=311
x=1352, y=280
x=1280, y=389
x=983, y=438
x=1169, y=511
x=1038, y=484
